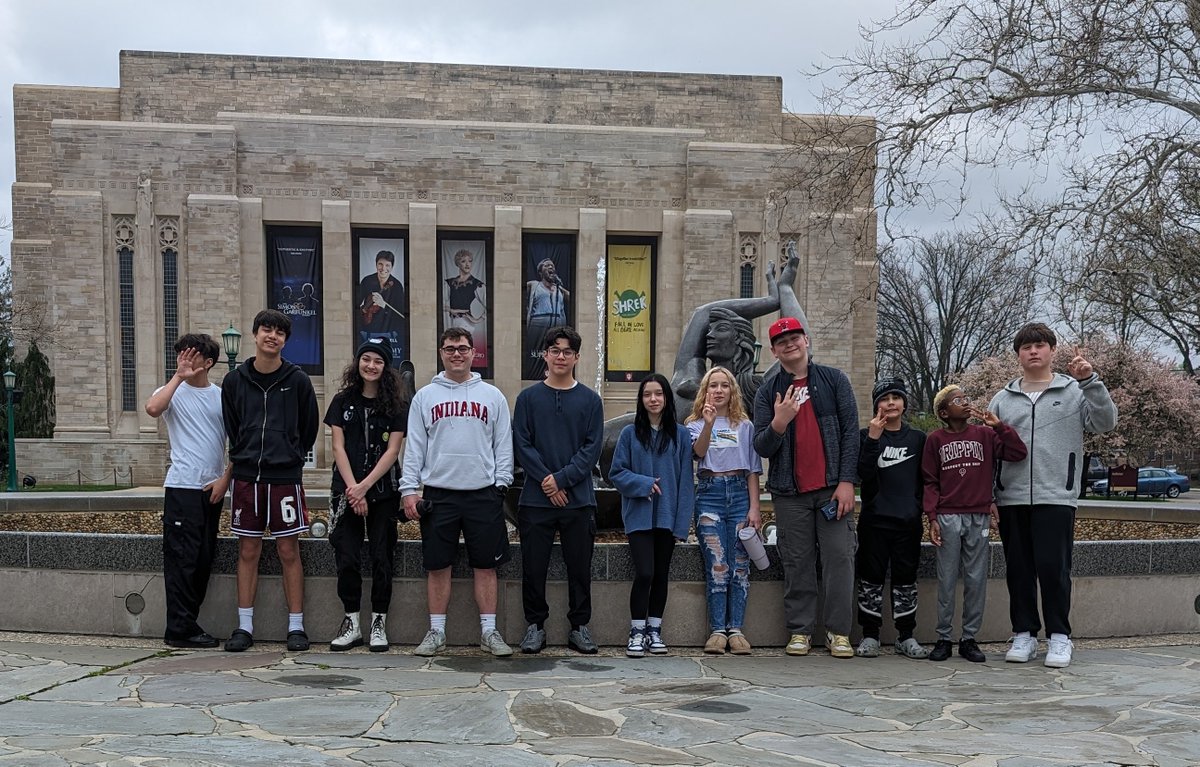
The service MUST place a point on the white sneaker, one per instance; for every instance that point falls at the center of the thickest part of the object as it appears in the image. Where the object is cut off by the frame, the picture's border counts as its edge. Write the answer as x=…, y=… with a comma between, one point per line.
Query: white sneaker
x=433, y=643
x=379, y=640
x=494, y=643
x=1023, y=649
x=1059, y=653
x=348, y=636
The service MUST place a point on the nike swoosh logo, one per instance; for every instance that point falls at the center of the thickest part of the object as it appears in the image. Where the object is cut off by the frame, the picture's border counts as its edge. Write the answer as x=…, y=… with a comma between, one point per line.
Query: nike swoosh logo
x=498, y=557
x=887, y=462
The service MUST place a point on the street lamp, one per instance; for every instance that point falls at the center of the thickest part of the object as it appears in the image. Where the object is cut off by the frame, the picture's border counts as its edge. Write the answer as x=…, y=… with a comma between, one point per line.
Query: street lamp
x=10, y=382
x=233, y=343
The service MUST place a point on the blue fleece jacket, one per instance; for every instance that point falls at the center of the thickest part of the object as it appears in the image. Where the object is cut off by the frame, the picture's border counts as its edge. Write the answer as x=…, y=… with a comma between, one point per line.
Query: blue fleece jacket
x=635, y=470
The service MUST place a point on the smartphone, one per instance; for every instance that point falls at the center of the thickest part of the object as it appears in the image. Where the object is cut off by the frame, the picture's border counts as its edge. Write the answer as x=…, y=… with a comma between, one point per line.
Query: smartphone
x=829, y=510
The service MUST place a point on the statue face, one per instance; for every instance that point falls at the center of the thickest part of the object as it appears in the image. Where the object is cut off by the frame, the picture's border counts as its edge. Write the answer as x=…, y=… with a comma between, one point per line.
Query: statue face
x=722, y=342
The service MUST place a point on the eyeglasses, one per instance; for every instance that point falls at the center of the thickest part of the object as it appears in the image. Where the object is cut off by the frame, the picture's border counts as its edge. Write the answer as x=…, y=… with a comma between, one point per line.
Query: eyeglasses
x=451, y=350
x=555, y=351
x=960, y=401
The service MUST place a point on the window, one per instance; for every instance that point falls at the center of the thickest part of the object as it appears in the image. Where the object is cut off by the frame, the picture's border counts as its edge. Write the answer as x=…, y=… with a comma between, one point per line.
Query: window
x=747, y=281
x=123, y=234
x=168, y=247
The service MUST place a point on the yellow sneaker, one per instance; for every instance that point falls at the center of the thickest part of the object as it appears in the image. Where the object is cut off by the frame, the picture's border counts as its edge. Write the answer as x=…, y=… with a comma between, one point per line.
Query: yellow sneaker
x=839, y=646
x=799, y=644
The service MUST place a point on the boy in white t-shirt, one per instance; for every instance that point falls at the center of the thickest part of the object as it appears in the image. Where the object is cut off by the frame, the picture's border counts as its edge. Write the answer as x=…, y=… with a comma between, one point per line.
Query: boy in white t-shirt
x=194, y=490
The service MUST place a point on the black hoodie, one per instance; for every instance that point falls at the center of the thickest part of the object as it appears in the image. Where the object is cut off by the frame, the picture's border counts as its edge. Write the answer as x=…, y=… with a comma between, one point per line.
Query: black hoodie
x=271, y=420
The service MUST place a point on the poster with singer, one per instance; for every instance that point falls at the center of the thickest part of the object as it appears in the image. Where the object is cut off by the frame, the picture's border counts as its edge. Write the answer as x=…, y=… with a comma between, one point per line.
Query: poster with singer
x=548, y=269
x=380, y=295
x=464, y=272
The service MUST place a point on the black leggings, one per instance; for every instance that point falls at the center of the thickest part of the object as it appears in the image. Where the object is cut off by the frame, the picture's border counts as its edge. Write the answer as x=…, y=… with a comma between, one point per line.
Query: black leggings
x=651, y=552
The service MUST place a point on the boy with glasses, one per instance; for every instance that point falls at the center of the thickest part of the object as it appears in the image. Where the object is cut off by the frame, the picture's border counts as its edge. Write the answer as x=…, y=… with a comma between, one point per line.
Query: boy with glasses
x=558, y=430
x=460, y=452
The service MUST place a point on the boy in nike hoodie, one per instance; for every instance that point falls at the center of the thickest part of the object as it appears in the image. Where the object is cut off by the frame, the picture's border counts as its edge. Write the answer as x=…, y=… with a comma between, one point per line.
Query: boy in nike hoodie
x=460, y=451
x=889, y=526
x=959, y=467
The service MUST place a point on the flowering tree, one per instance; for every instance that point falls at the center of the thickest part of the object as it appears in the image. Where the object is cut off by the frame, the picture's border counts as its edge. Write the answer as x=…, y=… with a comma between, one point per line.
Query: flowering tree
x=1159, y=406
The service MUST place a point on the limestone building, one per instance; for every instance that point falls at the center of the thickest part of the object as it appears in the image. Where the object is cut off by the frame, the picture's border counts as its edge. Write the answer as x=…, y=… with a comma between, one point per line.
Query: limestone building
x=206, y=187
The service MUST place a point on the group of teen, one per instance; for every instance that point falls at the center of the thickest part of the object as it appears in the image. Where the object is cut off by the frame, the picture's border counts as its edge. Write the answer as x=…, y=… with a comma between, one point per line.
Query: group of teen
x=460, y=448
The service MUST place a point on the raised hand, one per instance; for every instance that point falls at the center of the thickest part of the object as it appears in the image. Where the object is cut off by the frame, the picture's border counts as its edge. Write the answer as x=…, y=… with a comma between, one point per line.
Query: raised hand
x=876, y=424
x=786, y=407
x=1079, y=368
x=986, y=416
x=189, y=364
x=709, y=411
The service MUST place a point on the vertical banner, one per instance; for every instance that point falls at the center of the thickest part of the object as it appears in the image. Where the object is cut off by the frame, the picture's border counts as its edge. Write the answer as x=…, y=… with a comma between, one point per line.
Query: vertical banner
x=464, y=269
x=628, y=327
x=548, y=269
x=294, y=279
x=380, y=297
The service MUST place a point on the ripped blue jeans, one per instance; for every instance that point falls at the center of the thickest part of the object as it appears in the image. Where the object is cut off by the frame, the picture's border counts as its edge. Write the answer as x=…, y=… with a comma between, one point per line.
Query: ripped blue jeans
x=722, y=504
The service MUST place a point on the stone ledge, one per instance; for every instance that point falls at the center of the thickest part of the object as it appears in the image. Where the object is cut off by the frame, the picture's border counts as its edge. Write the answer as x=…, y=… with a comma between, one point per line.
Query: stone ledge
x=143, y=553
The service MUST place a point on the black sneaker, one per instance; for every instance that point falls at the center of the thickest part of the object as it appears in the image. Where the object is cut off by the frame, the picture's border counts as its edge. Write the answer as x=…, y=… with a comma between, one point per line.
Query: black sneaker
x=941, y=650
x=968, y=650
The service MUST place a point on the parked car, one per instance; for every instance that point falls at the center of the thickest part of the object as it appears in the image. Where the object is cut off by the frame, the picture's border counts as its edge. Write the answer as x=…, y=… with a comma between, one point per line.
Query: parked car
x=1153, y=481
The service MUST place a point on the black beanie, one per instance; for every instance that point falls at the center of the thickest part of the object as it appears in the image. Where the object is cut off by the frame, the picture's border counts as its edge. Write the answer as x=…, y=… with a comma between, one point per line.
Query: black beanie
x=379, y=345
x=888, y=386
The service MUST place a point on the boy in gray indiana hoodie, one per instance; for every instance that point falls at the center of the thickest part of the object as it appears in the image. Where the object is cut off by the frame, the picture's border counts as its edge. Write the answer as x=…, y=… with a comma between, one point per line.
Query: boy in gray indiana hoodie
x=1037, y=496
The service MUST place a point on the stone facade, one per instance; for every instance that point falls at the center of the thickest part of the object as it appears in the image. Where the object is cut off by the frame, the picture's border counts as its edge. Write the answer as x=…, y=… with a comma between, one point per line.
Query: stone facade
x=223, y=146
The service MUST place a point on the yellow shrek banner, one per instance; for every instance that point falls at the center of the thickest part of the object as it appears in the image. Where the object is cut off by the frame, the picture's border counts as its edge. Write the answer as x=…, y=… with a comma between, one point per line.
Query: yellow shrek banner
x=630, y=288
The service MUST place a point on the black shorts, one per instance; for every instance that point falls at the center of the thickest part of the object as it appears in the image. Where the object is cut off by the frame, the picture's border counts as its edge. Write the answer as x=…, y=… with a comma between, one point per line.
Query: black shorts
x=477, y=514
x=258, y=506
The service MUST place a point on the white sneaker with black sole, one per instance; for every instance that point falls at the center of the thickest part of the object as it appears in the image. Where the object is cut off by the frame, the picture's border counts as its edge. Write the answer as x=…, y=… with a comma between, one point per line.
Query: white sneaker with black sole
x=349, y=635
x=379, y=640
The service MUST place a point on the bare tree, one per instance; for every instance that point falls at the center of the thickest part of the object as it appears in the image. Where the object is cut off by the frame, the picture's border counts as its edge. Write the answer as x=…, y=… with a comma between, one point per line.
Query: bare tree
x=945, y=303
x=1096, y=101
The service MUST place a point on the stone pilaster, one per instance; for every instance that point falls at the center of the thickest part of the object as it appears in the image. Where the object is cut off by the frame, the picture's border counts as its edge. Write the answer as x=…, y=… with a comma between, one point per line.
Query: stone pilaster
x=423, y=290
x=504, y=295
x=589, y=318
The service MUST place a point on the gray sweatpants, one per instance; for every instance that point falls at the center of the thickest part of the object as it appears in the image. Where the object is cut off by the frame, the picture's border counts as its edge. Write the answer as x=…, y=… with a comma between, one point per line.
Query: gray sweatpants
x=802, y=529
x=965, y=549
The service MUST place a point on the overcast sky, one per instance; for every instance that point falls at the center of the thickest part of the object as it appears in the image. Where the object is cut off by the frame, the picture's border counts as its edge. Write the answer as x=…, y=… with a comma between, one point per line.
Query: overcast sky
x=76, y=43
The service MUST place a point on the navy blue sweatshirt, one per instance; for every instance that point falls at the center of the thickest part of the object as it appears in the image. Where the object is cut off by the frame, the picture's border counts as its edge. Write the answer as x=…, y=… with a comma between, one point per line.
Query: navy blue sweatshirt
x=559, y=432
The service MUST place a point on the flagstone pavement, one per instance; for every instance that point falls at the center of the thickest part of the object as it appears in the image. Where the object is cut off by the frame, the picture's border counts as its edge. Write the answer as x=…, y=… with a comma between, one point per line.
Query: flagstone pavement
x=107, y=701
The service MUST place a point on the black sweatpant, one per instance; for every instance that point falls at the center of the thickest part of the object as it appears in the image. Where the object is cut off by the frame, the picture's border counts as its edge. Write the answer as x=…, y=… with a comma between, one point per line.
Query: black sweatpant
x=190, y=523
x=347, y=540
x=651, y=552
x=576, y=530
x=881, y=548
x=1038, y=543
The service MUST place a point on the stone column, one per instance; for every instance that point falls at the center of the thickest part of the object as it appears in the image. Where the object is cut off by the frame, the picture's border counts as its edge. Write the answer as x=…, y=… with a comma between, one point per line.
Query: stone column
x=337, y=296
x=147, y=303
x=86, y=399
x=505, y=296
x=671, y=270
x=589, y=317
x=423, y=288
x=250, y=272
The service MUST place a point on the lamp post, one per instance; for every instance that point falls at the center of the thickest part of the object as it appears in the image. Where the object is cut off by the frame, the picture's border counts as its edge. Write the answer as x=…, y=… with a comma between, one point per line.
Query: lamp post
x=232, y=341
x=10, y=382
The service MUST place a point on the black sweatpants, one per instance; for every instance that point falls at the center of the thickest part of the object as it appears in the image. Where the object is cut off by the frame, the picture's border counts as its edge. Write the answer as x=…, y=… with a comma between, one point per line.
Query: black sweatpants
x=881, y=548
x=190, y=523
x=1038, y=543
x=651, y=552
x=576, y=530
x=347, y=540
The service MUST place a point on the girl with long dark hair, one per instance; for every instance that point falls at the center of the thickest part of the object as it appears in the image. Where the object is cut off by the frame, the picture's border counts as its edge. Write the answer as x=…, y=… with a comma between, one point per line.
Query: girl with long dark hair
x=369, y=417
x=652, y=470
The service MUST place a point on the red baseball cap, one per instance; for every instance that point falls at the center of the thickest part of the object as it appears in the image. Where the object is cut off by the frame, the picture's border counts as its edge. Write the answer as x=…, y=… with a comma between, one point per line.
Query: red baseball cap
x=784, y=325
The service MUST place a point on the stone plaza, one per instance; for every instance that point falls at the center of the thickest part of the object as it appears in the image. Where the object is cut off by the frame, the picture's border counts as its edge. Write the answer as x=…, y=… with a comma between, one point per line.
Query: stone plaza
x=114, y=703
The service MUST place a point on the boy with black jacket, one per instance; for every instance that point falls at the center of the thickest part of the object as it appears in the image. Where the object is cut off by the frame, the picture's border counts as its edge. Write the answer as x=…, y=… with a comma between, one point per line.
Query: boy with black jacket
x=270, y=413
x=806, y=425
x=889, y=527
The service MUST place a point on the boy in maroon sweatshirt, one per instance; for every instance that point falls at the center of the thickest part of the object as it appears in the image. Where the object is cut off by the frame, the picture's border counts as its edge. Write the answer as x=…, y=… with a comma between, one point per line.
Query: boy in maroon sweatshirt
x=959, y=465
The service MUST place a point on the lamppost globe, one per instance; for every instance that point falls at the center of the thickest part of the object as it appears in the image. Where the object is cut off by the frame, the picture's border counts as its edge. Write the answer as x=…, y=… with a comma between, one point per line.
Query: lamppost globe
x=232, y=340
x=10, y=380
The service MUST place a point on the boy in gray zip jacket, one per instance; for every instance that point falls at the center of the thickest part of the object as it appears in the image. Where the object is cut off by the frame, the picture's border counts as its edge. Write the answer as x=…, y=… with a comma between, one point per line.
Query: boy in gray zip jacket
x=1037, y=496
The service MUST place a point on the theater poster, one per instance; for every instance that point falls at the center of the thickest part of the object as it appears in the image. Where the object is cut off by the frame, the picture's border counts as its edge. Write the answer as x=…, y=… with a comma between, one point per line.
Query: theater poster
x=629, y=309
x=464, y=300
x=294, y=277
x=548, y=269
x=380, y=277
